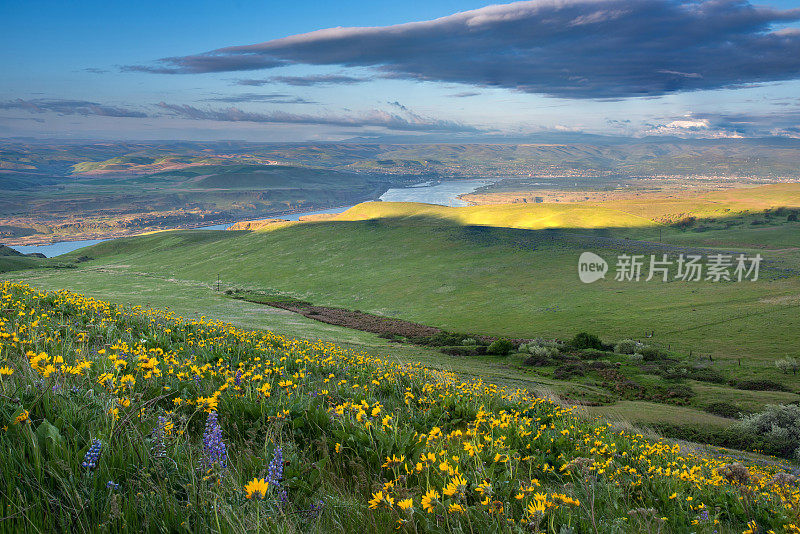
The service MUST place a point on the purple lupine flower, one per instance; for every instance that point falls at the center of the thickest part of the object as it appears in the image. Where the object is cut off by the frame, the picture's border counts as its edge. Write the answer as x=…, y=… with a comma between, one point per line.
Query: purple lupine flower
x=237, y=381
x=315, y=510
x=92, y=455
x=275, y=475
x=214, y=450
x=112, y=485
x=159, y=449
x=275, y=470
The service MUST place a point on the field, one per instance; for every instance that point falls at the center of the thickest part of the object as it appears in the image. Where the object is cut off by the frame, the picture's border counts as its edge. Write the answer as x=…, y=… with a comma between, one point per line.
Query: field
x=448, y=268
x=131, y=419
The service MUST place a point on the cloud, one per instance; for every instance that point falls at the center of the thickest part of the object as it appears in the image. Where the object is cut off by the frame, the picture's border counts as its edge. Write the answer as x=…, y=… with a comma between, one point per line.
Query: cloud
x=564, y=48
x=728, y=125
x=398, y=105
x=271, y=98
x=407, y=122
x=70, y=107
x=464, y=94
x=306, y=81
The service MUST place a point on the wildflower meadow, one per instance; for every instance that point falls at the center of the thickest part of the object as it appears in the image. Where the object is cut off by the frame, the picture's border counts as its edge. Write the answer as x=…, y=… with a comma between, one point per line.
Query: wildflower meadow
x=118, y=419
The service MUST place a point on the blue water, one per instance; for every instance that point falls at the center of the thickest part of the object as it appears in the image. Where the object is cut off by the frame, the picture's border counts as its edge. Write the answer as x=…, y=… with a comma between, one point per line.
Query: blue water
x=443, y=193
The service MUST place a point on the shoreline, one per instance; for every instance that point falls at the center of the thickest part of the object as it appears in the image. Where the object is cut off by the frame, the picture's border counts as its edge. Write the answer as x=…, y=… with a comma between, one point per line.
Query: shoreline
x=17, y=242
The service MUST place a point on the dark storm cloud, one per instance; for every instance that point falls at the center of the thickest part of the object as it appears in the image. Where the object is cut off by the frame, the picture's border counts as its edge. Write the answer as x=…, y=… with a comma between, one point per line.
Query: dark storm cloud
x=70, y=107
x=565, y=48
x=270, y=98
x=305, y=81
x=407, y=122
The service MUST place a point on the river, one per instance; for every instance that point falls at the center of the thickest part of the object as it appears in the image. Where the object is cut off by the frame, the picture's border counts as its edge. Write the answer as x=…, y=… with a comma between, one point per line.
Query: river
x=444, y=193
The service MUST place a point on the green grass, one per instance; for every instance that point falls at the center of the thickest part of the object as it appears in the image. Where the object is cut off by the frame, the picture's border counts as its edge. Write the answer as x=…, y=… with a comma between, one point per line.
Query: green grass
x=341, y=437
x=466, y=278
x=488, y=280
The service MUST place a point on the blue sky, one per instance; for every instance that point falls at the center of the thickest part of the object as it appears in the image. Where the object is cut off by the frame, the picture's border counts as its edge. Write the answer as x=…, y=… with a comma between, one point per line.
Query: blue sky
x=142, y=70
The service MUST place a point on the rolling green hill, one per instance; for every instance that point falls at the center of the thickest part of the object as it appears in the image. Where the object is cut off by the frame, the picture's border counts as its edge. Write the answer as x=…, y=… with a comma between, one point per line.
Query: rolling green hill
x=493, y=280
x=460, y=270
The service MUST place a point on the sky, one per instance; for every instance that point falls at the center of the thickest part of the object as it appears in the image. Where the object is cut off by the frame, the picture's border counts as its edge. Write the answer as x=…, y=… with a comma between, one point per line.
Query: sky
x=433, y=70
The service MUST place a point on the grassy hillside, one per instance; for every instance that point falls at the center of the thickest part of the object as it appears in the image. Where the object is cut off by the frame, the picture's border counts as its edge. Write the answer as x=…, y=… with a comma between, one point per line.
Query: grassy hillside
x=714, y=206
x=132, y=420
x=435, y=266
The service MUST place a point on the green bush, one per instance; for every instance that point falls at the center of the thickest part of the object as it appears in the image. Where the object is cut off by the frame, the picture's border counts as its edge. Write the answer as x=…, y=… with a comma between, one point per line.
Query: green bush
x=723, y=409
x=464, y=350
x=537, y=359
x=652, y=354
x=779, y=424
x=585, y=340
x=758, y=385
x=732, y=437
x=787, y=365
x=500, y=347
x=628, y=346
x=591, y=354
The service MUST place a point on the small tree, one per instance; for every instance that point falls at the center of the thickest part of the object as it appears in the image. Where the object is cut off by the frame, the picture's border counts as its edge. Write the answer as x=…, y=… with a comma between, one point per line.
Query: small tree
x=500, y=347
x=585, y=340
x=787, y=364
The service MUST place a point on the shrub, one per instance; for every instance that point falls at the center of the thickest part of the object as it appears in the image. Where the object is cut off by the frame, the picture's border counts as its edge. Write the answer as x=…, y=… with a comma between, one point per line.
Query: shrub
x=780, y=424
x=652, y=354
x=464, y=350
x=538, y=359
x=469, y=341
x=723, y=409
x=637, y=357
x=547, y=352
x=628, y=346
x=786, y=365
x=701, y=374
x=686, y=222
x=681, y=392
x=568, y=370
x=585, y=340
x=706, y=374
x=792, y=217
x=440, y=339
x=758, y=385
x=500, y=347
x=591, y=354
x=540, y=355
x=733, y=437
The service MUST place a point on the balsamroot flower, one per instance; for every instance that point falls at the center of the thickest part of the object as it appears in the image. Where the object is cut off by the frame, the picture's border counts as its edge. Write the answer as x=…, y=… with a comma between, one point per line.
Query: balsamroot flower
x=256, y=488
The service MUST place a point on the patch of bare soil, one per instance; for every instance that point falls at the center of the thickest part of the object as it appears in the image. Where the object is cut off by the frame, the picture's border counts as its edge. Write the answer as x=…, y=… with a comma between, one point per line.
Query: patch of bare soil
x=358, y=320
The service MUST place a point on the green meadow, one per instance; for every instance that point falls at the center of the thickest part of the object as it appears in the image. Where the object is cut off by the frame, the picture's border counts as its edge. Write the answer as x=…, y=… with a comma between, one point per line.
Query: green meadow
x=465, y=270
